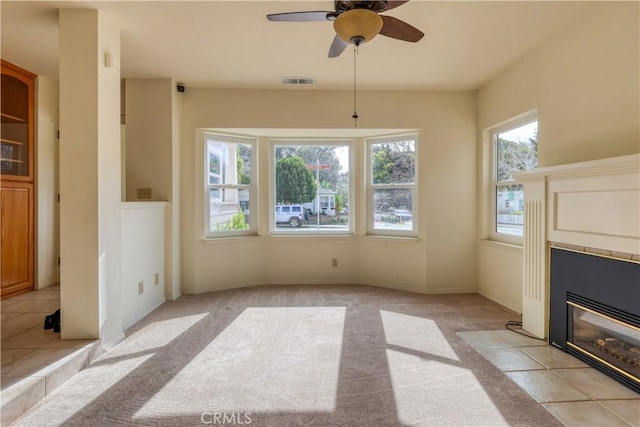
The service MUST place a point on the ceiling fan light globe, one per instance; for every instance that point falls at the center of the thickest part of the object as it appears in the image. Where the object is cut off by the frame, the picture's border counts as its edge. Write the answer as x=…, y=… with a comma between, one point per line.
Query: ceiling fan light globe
x=357, y=25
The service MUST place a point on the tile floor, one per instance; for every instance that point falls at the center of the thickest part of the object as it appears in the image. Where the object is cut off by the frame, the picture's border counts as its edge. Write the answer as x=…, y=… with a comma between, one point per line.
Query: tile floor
x=35, y=361
x=574, y=392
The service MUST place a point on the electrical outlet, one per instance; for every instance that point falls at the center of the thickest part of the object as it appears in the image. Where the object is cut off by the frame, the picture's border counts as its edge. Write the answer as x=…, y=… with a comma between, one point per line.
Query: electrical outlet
x=140, y=288
x=144, y=193
x=157, y=278
x=334, y=262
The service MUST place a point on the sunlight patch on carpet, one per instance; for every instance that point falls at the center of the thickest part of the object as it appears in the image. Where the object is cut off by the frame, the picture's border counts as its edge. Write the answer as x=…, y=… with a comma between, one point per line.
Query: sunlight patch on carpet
x=153, y=336
x=429, y=392
x=417, y=334
x=430, y=386
x=269, y=359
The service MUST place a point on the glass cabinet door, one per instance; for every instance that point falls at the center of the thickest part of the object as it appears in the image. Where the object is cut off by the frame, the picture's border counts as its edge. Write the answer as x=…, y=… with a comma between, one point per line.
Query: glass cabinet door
x=14, y=151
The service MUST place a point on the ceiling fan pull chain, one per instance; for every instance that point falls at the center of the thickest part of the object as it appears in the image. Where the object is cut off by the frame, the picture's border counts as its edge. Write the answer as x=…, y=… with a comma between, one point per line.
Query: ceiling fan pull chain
x=355, y=112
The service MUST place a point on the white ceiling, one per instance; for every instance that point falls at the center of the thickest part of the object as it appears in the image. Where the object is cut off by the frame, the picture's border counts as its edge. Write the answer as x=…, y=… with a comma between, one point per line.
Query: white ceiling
x=231, y=43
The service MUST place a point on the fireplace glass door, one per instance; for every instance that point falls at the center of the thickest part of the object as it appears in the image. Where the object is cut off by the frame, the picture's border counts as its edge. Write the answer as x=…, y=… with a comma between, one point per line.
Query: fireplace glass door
x=612, y=342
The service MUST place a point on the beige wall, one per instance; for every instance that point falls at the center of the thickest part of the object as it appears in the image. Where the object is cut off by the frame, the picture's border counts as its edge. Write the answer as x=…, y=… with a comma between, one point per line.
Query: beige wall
x=153, y=111
x=148, y=141
x=584, y=85
x=442, y=259
x=47, y=210
x=500, y=273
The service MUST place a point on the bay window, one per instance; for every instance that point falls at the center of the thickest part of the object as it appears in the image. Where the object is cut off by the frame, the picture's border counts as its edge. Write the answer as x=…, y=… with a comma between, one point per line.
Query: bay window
x=230, y=185
x=392, y=186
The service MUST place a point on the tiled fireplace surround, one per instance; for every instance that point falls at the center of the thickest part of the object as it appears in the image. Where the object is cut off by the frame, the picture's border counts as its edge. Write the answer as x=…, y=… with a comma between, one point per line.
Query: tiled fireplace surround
x=591, y=207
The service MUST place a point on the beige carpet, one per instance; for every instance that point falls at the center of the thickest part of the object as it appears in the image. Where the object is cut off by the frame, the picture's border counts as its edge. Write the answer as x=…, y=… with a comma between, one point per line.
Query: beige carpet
x=298, y=355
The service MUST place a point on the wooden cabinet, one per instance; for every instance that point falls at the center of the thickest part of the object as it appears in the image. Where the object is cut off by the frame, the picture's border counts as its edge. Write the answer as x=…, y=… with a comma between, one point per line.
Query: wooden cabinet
x=16, y=179
x=17, y=232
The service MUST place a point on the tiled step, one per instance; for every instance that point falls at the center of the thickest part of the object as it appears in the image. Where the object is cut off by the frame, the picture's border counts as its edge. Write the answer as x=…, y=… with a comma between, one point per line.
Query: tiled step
x=37, y=374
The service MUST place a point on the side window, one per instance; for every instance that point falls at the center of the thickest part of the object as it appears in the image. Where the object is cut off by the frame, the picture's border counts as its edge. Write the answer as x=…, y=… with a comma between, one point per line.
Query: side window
x=392, y=186
x=515, y=149
x=230, y=185
x=313, y=179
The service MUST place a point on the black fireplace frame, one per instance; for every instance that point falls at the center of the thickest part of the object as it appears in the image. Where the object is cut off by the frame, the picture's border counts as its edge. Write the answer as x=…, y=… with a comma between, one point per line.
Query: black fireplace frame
x=613, y=283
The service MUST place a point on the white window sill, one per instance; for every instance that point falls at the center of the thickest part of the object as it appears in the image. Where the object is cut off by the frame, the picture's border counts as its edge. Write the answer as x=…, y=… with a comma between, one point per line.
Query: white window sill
x=501, y=245
x=231, y=239
x=394, y=239
x=296, y=236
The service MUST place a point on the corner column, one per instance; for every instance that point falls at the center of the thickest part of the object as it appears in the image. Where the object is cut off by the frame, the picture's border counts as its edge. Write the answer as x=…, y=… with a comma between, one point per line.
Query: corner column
x=89, y=176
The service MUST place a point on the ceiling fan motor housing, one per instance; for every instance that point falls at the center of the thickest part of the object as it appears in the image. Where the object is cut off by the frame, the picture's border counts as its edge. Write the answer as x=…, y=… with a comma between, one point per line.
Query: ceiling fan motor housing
x=345, y=5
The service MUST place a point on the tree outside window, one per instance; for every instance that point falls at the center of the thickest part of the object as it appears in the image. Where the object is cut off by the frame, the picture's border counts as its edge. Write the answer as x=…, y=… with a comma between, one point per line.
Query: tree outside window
x=316, y=177
x=392, y=185
x=295, y=184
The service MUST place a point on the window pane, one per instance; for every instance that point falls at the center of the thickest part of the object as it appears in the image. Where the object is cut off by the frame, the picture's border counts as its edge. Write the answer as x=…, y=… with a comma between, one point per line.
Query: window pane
x=516, y=150
x=215, y=154
x=393, y=162
x=392, y=209
x=229, y=163
x=509, y=209
x=243, y=163
x=228, y=176
x=312, y=184
x=229, y=209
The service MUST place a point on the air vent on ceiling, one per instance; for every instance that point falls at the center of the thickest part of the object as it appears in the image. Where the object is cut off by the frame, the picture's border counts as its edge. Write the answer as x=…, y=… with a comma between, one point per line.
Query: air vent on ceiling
x=297, y=80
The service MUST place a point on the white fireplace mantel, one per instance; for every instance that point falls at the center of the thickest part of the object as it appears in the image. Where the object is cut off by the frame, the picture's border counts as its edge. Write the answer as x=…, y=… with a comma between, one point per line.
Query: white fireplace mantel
x=594, y=204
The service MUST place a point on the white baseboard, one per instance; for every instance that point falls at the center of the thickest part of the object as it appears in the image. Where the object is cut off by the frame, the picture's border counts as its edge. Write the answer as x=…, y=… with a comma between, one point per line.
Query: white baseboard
x=502, y=303
x=175, y=296
x=109, y=345
x=341, y=281
x=235, y=285
x=142, y=314
x=419, y=290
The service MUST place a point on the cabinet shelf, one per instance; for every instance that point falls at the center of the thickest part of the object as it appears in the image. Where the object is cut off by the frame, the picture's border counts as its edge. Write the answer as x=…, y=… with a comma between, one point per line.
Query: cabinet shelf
x=16, y=168
x=8, y=118
x=11, y=141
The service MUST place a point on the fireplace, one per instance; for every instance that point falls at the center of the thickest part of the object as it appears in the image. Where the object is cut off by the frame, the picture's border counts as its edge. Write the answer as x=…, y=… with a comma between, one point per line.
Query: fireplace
x=581, y=261
x=594, y=312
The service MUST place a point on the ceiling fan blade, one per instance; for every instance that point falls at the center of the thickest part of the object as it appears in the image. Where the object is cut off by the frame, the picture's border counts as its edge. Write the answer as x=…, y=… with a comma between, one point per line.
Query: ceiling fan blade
x=311, y=16
x=393, y=4
x=337, y=47
x=397, y=29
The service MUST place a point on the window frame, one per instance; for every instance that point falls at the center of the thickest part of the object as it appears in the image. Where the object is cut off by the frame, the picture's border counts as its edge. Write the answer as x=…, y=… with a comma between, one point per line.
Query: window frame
x=522, y=120
x=206, y=136
x=312, y=142
x=370, y=187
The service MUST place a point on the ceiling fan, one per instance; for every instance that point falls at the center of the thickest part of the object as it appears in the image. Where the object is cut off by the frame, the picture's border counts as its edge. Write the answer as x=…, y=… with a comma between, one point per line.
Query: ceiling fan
x=356, y=22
